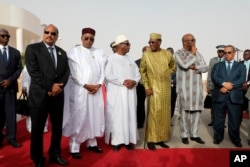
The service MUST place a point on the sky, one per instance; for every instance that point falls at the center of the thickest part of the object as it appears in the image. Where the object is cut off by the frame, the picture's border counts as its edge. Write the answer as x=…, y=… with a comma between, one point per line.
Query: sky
x=212, y=22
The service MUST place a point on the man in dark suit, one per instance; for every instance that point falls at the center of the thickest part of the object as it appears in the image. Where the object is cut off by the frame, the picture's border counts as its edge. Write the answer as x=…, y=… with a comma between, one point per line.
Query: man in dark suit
x=212, y=62
x=48, y=67
x=228, y=77
x=10, y=69
x=246, y=62
x=141, y=96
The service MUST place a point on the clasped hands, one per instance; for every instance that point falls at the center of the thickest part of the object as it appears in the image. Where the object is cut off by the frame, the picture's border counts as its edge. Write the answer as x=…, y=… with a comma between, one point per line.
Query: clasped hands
x=227, y=86
x=56, y=89
x=92, y=89
x=5, y=83
x=129, y=83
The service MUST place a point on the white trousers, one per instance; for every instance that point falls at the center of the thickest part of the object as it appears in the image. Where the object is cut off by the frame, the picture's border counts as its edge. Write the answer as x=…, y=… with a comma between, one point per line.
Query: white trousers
x=189, y=122
x=74, y=145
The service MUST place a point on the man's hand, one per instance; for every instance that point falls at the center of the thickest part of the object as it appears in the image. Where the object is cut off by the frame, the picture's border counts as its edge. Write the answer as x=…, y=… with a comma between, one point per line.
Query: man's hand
x=245, y=86
x=228, y=85
x=56, y=89
x=129, y=83
x=92, y=89
x=149, y=92
x=223, y=90
x=5, y=83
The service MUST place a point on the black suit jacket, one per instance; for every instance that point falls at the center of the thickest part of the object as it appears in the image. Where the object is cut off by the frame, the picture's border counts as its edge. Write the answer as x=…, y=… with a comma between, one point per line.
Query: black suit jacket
x=237, y=77
x=12, y=70
x=44, y=74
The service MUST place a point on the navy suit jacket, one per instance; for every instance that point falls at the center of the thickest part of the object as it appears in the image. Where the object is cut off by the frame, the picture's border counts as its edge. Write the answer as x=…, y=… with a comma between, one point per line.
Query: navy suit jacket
x=11, y=70
x=44, y=74
x=237, y=77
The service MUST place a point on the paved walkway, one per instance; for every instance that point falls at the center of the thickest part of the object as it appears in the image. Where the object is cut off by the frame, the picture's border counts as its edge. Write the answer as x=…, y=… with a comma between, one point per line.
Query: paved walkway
x=206, y=133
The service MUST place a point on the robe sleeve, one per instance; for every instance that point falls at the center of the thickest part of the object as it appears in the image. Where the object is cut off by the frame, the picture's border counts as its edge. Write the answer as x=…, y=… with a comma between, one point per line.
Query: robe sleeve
x=110, y=73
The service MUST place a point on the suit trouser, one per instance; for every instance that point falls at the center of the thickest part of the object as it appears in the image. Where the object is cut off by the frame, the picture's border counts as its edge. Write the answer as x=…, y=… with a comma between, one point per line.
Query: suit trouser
x=8, y=114
x=141, y=96
x=38, y=119
x=189, y=122
x=234, y=113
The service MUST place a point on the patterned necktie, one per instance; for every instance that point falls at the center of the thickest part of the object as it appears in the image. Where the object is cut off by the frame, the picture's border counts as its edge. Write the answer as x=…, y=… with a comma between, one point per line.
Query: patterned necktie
x=52, y=55
x=5, y=56
x=228, y=68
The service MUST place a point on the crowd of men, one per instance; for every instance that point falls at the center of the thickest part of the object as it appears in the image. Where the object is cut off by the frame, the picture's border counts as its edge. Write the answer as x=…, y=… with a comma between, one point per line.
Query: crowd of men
x=89, y=95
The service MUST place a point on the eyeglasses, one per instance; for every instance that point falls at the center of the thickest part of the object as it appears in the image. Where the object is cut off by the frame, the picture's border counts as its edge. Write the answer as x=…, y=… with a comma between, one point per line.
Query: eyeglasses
x=89, y=38
x=225, y=53
x=51, y=33
x=191, y=40
x=221, y=51
x=126, y=43
x=151, y=42
x=3, y=36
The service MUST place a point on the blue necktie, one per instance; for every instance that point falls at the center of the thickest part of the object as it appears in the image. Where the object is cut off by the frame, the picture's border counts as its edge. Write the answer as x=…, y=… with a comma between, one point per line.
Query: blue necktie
x=5, y=56
x=52, y=55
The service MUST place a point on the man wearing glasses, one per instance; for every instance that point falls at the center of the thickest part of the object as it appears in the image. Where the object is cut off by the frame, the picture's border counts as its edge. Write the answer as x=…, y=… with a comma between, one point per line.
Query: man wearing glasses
x=10, y=69
x=228, y=77
x=156, y=68
x=47, y=65
x=190, y=66
x=212, y=62
x=84, y=104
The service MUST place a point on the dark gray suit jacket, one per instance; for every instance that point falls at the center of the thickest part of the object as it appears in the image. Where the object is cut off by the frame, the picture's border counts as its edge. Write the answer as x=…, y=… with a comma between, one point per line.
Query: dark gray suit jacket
x=237, y=77
x=44, y=74
x=12, y=70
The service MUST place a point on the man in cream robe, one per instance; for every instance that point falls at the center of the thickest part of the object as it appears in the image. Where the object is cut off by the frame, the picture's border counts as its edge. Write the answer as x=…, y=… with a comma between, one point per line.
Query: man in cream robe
x=84, y=105
x=122, y=76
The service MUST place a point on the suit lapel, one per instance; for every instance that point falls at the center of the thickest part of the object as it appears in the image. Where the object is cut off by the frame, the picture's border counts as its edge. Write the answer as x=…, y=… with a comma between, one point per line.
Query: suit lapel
x=45, y=50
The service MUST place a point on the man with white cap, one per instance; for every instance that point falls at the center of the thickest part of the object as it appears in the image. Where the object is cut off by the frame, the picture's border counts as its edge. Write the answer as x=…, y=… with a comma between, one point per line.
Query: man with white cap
x=156, y=68
x=84, y=105
x=122, y=76
x=212, y=62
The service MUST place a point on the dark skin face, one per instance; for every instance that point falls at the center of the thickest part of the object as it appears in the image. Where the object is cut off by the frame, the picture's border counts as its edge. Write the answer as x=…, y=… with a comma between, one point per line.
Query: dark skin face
x=4, y=37
x=246, y=55
x=220, y=53
x=88, y=40
x=123, y=47
x=154, y=44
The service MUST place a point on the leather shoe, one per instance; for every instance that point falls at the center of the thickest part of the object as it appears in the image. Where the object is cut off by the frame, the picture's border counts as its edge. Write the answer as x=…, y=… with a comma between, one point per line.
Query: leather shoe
x=76, y=155
x=238, y=144
x=216, y=141
x=58, y=160
x=151, y=146
x=14, y=144
x=210, y=124
x=162, y=144
x=116, y=148
x=129, y=147
x=95, y=149
x=185, y=140
x=197, y=139
x=39, y=164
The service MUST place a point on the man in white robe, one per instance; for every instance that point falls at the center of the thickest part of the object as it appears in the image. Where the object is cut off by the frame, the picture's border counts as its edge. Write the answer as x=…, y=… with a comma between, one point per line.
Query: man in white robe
x=122, y=76
x=84, y=105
